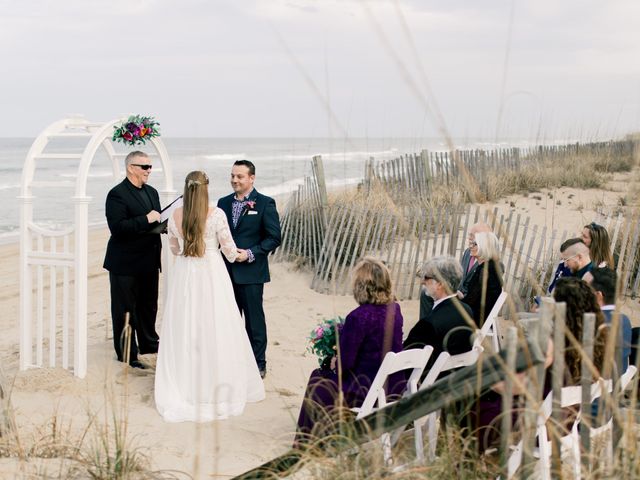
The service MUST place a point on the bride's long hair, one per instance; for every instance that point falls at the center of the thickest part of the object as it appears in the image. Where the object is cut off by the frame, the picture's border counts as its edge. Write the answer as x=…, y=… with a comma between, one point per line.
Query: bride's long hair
x=194, y=213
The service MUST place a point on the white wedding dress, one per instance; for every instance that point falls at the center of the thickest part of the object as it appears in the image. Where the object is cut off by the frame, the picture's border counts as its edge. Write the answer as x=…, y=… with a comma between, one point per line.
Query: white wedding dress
x=205, y=369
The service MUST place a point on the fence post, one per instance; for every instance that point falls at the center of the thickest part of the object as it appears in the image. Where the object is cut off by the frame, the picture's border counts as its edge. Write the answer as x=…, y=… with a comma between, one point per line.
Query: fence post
x=318, y=167
x=507, y=399
x=535, y=383
x=557, y=380
x=588, y=326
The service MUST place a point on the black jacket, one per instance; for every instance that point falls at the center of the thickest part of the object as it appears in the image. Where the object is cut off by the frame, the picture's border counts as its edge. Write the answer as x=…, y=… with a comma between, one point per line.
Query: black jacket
x=435, y=327
x=475, y=294
x=258, y=230
x=131, y=249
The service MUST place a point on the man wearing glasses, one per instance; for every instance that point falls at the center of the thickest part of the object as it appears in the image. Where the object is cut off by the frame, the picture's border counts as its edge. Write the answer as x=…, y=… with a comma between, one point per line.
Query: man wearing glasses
x=133, y=258
x=577, y=259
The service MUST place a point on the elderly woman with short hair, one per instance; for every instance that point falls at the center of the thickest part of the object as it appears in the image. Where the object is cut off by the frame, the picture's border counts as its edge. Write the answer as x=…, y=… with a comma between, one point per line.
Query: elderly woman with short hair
x=485, y=284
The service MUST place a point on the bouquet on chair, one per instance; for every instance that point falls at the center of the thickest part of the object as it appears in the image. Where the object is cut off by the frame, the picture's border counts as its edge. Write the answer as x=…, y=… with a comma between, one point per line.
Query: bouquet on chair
x=322, y=341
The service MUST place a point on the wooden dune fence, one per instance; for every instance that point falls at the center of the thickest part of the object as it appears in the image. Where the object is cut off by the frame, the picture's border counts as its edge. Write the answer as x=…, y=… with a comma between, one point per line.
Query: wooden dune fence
x=329, y=238
x=412, y=174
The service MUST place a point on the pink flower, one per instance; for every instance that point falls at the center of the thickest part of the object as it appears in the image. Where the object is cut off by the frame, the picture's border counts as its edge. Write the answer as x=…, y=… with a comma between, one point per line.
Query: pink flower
x=319, y=332
x=127, y=136
x=251, y=204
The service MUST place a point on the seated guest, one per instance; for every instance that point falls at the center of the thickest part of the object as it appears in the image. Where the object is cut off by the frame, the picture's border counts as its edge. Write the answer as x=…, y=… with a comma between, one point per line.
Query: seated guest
x=576, y=257
x=485, y=284
x=580, y=299
x=562, y=270
x=604, y=284
x=468, y=263
x=596, y=238
x=369, y=332
x=447, y=326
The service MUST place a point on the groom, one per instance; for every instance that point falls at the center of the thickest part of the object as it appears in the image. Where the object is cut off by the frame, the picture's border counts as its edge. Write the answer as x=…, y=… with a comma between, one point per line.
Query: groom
x=255, y=227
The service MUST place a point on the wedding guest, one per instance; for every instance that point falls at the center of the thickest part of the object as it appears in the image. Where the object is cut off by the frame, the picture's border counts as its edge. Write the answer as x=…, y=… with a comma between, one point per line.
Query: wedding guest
x=468, y=263
x=447, y=327
x=133, y=258
x=562, y=270
x=580, y=299
x=596, y=238
x=485, y=284
x=369, y=332
x=603, y=283
x=206, y=369
x=255, y=228
x=576, y=257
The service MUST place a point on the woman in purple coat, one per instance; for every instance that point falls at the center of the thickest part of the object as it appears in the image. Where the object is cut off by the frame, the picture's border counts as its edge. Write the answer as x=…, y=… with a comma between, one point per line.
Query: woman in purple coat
x=369, y=332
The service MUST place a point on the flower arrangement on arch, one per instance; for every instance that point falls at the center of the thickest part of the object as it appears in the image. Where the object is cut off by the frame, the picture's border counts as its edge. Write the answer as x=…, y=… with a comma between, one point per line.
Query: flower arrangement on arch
x=322, y=340
x=136, y=130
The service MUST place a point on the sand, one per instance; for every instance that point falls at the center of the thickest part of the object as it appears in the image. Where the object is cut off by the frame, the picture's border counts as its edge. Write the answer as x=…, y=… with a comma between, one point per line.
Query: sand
x=223, y=448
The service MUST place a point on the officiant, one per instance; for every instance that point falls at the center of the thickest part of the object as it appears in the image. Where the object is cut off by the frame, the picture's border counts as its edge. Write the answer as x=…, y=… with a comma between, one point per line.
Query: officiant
x=133, y=258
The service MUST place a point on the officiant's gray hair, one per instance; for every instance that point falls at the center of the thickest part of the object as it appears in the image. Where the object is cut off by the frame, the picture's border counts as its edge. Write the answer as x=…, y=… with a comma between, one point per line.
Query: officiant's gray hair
x=444, y=269
x=136, y=153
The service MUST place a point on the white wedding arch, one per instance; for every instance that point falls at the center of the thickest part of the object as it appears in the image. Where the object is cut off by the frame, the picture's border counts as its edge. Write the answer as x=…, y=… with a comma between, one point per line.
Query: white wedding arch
x=54, y=261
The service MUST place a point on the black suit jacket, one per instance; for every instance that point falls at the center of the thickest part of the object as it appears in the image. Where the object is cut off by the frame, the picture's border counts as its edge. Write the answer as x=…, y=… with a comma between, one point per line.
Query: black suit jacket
x=433, y=329
x=474, y=297
x=258, y=230
x=466, y=273
x=131, y=249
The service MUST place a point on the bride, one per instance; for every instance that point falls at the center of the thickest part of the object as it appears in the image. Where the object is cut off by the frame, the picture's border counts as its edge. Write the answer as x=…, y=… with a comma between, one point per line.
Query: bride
x=205, y=369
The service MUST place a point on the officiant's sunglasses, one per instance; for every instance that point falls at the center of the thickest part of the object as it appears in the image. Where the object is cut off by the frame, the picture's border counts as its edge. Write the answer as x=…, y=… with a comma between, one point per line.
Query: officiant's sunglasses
x=143, y=167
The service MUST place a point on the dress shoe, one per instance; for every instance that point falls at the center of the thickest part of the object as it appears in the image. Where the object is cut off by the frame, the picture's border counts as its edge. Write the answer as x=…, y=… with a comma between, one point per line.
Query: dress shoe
x=263, y=372
x=137, y=364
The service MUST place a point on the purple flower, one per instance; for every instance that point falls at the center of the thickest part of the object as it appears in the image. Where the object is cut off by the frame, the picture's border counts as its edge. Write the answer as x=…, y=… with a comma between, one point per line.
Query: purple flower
x=131, y=127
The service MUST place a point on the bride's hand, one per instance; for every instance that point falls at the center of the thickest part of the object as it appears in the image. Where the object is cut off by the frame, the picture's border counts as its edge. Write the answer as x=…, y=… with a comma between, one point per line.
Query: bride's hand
x=242, y=255
x=334, y=363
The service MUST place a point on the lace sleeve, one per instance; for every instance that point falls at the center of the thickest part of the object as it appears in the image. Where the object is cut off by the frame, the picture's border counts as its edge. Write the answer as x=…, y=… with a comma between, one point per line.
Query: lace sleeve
x=174, y=242
x=227, y=245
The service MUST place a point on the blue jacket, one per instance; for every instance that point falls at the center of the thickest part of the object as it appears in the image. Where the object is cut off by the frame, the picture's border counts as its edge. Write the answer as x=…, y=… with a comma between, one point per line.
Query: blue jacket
x=258, y=230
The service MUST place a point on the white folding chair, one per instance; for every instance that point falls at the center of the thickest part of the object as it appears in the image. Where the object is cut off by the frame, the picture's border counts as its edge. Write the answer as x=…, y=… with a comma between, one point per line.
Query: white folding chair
x=570, y=443
x=443, y=363
x=415, y=360
x=490, y=325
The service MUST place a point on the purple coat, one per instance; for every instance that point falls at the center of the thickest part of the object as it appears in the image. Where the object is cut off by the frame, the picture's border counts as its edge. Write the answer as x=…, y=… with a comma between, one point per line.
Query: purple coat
x=369, y=332
x=367, y=335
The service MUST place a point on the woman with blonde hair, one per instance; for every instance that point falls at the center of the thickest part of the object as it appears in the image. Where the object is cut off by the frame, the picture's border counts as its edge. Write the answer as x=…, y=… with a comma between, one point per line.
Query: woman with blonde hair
x=485, y=285
x=205, y=369
x=369, y=332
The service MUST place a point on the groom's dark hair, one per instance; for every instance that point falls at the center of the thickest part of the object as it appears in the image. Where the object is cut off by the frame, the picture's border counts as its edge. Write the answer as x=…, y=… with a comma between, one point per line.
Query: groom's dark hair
x=248, y=164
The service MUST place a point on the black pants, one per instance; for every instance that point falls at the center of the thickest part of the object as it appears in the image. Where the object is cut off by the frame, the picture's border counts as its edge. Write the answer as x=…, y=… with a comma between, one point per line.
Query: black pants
x=137, y=295
x=249, y=300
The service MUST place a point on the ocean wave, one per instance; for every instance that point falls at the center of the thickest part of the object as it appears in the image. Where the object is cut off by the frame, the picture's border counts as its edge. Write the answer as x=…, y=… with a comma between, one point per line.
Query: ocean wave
x=292, y=185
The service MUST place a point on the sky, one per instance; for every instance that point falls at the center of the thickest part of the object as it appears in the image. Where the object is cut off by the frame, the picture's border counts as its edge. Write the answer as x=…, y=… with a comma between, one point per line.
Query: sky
x=535, y=69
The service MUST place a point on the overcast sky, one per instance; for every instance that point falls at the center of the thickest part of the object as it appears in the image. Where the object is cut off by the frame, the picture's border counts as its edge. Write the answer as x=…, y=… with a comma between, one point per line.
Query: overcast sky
x=302, y=68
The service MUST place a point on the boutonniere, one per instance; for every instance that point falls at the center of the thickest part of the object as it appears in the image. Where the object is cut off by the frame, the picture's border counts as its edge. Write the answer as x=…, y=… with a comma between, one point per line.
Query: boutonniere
x=251, y=204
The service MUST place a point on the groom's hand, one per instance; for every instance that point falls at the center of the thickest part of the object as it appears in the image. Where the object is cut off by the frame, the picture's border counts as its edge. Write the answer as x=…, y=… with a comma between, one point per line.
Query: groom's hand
x=242, y=255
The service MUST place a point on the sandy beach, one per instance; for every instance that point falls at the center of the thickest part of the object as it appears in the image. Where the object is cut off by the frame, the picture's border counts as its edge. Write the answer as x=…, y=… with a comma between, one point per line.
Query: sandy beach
x=223, y=448
x=215, y=450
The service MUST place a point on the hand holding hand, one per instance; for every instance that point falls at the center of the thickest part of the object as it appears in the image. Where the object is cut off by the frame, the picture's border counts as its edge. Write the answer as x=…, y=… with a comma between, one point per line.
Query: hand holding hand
x=242, y=255
x=153, y=216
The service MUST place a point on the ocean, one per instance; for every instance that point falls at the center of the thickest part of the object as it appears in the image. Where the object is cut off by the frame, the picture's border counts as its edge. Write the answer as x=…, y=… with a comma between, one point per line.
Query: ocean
x=281, y=165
